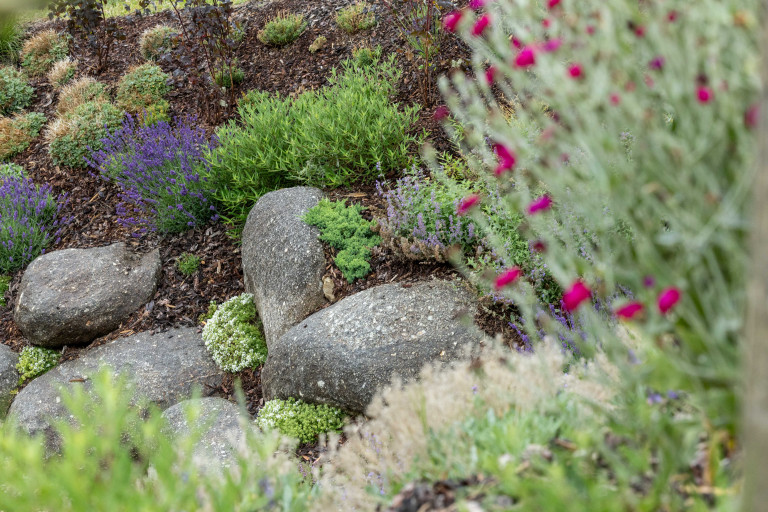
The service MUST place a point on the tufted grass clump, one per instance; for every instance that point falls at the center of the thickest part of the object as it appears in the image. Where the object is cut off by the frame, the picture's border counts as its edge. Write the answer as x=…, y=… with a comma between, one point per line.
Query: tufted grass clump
x=17, y=132
x=11, y=34
x=229, y=76
x=35, y=361
x=5, y=283
x=80, y=91
x=300, y=420
x=15, y=92
x=188, y=263
x=156, y=41
x=283, y=29
x=365, y=56
x=356, y=18
x=143, y=89
x=317, y=44
x=42, y=50
x=62, y=72
x=343, y=228
x=72, y=136
x=234, y=336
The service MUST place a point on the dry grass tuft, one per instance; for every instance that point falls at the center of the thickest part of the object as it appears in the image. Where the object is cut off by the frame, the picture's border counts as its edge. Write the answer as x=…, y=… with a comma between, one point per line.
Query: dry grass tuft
x=41, y=50
x=62, y=72
x=80, y=91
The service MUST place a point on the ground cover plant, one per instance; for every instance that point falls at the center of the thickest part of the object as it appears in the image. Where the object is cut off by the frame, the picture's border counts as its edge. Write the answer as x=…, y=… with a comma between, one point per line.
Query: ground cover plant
x=161, y=172
x=156, y=41
x=35, y=361
x=233, y=335
x=141, y=91
x=17, y=132
x=5, y=283
x=188, y=263
x=283, y=29
x=74, y=134
x=356, y=17
x=300, y=420
x=82, y=90
x=15, y=92
x=40, y=51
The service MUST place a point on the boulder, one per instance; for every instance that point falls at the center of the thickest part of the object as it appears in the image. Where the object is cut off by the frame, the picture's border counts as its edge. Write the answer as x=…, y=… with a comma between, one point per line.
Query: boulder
x=342, y=354
x=9, y=377
x=164, y=368
x=74, y=296
x=283, y=261
x=221, y=427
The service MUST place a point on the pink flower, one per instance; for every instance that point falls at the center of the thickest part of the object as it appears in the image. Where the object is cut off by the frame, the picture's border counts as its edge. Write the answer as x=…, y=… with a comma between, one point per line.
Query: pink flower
x=441, y=113
x=667, y=299
x=476, y=4
x=546, y=22
x=672, y=16
x=551, y=4
x=576, y=294
x=640, y=31
x=541, y=204
x=506, y=157
x=649, y=281
x=451, y=21
x=551, y=45
x=525, y=58
x=615, y=99
x=629, y=311
x=704, y=94
x=490, y=73
x=481, y=25
x=590, y=29
x=656, y=63
x=752, y=116
x=507, y=277
x=516, y=43
x=576, y=71
x=467, y=203
x=539, y=246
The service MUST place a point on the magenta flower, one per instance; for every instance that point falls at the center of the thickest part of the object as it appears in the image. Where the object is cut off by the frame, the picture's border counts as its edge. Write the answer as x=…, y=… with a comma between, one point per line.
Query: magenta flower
x=507, y=277
x=507, y=159
x=576, y=71
x=467, y=204
x=480, y=25
x=541, y=204
x=516, y=43
x=476, y=4
x=552, y=4
x=551, y=45
x=615, y=99
x=546, y=22
x=667, y=299
x=441, y=113
x=656, y=63
x=591, y=30
x=539, y=246
x=525, y=58
x=649, y=281
x=704, y=94
x=576, y=294
x=490, y=74
x=752, y=116
x=451, y=21
x=629, y=311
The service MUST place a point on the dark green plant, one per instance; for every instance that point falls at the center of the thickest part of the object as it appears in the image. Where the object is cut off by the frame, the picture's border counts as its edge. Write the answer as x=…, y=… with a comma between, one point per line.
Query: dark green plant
x=300, y=420
x=343, y=228
x=356, y=17
x=41, y=50
x=17, y=132
x=366, y=56
x=11, y=33
x=35, y=361
x=74, y=135
x=188, y=263
x=283, y=29
x=15, y=92
x=229, y=76
x=143, y=89
x=5, y=283
x=203, y=318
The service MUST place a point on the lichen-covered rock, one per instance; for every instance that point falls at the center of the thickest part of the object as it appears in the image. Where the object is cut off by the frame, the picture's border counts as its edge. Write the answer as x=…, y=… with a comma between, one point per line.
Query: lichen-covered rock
x=74, y=296
x=283, y=261
x=9, y=377
x=342, y=354
x=165, y=368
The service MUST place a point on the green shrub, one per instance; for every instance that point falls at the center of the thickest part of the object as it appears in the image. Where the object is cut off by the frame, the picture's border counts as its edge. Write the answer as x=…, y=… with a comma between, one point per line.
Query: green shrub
x=17, y=132
x=188, y=263
x=5, y=281
x=234, y=337
x=225, y=77
x=356, y=17
x=82, y=90
x=347, y=132
x=155, y=41
x=11, y=169
x=41, y=50
x=143, y=88
x=300, y=420
x=62, y=72
x=366, y=56
x=70, y=135
x=11, y=33
x=15, y=92
x=343, y=228
x=283, y=29
x=35, y=361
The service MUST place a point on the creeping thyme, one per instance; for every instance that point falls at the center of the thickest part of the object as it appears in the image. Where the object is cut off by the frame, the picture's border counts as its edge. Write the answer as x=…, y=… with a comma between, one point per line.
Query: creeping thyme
x=234, y=337
x=298, y=419
x=35, y=361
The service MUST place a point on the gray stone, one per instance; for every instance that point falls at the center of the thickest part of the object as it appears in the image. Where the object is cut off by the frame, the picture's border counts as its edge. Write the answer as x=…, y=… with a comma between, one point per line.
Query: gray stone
x=9, y=377
x=76, y=295
x=221, y=427
x=283, y=261
x=164, y=368
x=341, y=355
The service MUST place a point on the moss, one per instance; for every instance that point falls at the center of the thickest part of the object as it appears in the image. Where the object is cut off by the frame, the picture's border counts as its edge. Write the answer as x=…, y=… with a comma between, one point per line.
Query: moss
x=35, y=361
x=300, y=420
x=233, y=335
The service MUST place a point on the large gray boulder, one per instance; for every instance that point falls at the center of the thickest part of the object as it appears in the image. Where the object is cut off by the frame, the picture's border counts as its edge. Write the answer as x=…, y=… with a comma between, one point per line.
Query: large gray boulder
x=341, y=355
x=283, y=261
x=221, y=427
x=9, y=377
x=165, y=368
x=74, y=296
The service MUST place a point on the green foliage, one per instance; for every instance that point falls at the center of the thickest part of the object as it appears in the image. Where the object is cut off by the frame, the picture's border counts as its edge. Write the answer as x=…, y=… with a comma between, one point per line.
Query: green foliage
x=283, y=29
x=344, y=229
x=80, y=91
x=300, y=420
x=11, y=33
x=356, y=17
x=41, y=50
x=347, y=132
x=117, y=455
x=318, y=43
x=15, y=92
x=5, y=281
x=212, y=307
x=155, y=41
x=366, y=56
x=188, y=263
x=143, y=89
x=226, y=77
x=71, y=135
x=17, y=132
x=234, y=336
x=12, y=169
x=35, y=361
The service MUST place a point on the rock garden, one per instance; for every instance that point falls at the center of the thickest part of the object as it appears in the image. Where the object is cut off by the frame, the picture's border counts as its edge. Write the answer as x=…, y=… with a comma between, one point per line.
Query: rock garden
x=397, y=255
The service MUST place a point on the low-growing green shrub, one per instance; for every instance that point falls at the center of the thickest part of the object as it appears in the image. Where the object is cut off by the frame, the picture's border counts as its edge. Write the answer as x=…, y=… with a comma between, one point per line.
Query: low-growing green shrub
x=72, y=136
x=344, y=229
x=11, y=169
x=11, y=33
x=365, y=56
x=15, y=92
x=41, y=50
x=35, y=361
x=356, y=17
x=188, y=263
x=234, y=337
x=347, y=132
x=5, y=283
x=82, y=90
x=226, y=77
x=143, y=88
x=17, y=132
x=318, y=43
x=62, y=72
x=300, y=420
x=283, y=29
x=157, y=40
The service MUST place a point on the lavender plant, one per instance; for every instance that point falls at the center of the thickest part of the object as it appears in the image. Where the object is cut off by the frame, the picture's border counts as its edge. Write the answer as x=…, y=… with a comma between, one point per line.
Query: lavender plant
x=29, y=221
x=161, y=171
